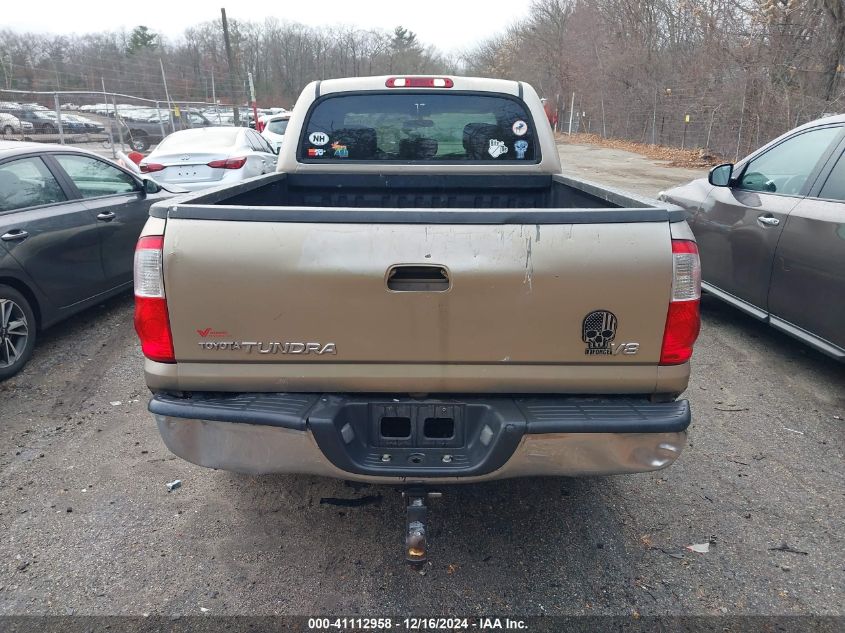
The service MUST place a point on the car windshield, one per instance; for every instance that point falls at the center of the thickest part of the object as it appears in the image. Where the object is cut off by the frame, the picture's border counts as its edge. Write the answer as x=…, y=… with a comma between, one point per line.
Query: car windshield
x=277, y=126
x=419, y=126
x=191, y=140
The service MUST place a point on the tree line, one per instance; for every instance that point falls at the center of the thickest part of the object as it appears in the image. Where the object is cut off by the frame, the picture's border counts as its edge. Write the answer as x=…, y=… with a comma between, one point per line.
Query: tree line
x=721, y=74
x=724, y=75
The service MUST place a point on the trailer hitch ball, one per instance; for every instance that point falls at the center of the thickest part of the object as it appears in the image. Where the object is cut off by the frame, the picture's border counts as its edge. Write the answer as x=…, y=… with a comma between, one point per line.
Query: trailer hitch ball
x=415, y=532
x=415, y=542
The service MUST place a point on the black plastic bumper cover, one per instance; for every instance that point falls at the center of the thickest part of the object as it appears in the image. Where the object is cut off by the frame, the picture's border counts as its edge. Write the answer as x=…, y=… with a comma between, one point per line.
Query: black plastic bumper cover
x=486, y=434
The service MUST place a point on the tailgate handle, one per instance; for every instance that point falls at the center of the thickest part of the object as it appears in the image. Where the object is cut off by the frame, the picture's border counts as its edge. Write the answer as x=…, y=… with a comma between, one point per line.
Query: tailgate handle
x=418, y=278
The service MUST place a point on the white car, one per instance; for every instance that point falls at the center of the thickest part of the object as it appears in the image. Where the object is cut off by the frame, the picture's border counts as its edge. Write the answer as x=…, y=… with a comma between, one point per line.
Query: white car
x=274, y=128
x=210, y=156
x=10, y=124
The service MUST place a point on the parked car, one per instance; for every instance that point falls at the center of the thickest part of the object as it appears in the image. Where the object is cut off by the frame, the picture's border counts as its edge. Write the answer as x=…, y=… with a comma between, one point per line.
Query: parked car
x=40, y=119
x=208, y=157
x=274, y=129
x=69, y=123
x=418, y=296
x=771, y=232
x=10, y=124
x=69, y=220
x=90, y=126
x=143, y=129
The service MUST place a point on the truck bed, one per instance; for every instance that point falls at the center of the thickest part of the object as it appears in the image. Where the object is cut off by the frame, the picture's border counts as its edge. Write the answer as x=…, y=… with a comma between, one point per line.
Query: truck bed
x=538, y=193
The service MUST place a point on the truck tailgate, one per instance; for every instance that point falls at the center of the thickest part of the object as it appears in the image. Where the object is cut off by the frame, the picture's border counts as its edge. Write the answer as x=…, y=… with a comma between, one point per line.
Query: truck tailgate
x=286, y=294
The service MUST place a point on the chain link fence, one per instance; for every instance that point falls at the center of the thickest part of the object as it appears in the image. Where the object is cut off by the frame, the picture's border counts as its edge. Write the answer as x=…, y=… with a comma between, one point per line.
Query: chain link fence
x=730, y=127
x=107, y=120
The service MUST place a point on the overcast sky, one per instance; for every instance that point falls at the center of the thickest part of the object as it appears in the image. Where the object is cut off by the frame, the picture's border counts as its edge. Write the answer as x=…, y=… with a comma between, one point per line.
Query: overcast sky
x=451, y=25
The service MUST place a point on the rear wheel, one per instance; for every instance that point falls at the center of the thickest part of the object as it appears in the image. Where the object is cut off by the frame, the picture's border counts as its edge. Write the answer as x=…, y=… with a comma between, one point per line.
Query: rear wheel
x=8, y=130
x=139, y=143
x=17, y=331
x=48, y=128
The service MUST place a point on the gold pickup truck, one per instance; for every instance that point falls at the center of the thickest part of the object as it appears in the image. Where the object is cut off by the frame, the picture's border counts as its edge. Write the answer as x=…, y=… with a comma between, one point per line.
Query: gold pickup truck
x=418, y=296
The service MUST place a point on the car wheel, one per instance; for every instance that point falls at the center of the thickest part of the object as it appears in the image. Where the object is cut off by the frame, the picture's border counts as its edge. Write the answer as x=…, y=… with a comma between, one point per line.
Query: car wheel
x=47, y=128
x=17, y=331
x=139, y=144
x=8, y=130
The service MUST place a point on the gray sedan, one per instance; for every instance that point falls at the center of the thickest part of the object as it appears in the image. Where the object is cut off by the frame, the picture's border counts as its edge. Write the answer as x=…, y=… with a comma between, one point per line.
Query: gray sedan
x=69, y=221
x=771, y=233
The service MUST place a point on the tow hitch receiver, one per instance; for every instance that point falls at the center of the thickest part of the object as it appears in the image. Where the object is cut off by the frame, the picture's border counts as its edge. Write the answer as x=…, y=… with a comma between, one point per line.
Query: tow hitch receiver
x=416, y=543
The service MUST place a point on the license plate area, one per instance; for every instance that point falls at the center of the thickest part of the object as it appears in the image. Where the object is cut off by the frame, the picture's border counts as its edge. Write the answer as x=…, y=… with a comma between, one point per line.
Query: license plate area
x=417, y=425
x=416, y=438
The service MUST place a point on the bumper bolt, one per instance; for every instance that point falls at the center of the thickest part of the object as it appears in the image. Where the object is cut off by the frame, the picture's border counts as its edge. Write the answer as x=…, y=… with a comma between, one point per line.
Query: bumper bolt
x=385, y=458
x=447, y=459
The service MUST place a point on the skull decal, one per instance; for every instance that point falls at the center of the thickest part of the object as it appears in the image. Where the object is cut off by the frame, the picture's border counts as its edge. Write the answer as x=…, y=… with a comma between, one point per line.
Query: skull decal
x=598, y=331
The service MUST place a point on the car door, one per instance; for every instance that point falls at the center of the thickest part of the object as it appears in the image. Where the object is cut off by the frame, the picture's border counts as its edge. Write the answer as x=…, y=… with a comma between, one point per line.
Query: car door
x=738, y=227
x=52, y=236
x=808, y=278
x=119, y=205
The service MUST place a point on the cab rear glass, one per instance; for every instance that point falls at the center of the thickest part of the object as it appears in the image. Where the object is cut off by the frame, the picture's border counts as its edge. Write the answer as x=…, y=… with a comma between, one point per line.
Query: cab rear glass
x=419, y=127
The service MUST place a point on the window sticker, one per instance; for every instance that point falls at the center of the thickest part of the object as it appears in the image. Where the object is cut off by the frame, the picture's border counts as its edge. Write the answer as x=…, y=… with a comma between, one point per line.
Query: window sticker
x=314, y=152
x=318, y=138
x=520, y=147
x=497, y=148
x=340, y=151
x=520, y=128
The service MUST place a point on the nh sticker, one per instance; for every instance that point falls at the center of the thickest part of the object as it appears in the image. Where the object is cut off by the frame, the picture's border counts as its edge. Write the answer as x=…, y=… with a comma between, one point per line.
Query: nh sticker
x=497, y=148
x=318, y=138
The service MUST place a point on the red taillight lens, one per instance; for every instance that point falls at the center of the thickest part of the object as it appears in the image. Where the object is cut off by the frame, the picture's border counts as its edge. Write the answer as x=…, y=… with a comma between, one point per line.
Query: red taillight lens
x=146, y=168
x=683, y=320
x=419, y=82
x=682, y=325
x=228, y=163
x=152, y=322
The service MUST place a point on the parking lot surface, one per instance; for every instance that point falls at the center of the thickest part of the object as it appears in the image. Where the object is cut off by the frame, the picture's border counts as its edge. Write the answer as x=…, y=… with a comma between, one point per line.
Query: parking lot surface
x=89, y=526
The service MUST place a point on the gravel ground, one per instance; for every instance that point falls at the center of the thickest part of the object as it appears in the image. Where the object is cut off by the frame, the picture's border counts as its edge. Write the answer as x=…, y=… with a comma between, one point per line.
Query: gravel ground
x=89, y=527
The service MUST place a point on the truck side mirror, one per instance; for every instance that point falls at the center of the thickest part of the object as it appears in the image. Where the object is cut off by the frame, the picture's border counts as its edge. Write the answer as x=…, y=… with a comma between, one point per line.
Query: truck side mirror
x=720, y=175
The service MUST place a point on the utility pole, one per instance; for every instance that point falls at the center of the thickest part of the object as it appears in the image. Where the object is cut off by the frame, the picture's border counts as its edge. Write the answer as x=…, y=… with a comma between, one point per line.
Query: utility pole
x=214, y=97
x=160, y=122
x=571, y=113
x=108, y=127
x=254, y=105
x=232, y=73
x=654, y=118
x=61, y=128
x=167, y=96
x=741, y=118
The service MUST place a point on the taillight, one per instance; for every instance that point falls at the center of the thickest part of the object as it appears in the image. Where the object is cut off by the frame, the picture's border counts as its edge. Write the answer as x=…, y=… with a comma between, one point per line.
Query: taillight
x=152, y=322
x=228, y=163
x=419, y=82
x=683, y=320
x=146, y=168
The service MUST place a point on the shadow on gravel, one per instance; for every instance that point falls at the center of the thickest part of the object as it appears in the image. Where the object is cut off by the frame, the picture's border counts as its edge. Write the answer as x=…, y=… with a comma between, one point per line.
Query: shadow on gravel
x=86, y=319
x=497, y=544
x=774, y=344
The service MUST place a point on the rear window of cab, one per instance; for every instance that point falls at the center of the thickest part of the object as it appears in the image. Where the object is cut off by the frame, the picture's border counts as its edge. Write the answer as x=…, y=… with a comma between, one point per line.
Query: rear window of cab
x=419, y=127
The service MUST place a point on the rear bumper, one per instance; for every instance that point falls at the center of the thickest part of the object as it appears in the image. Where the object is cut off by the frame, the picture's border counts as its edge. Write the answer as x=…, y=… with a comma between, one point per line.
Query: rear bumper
x=496, y=438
